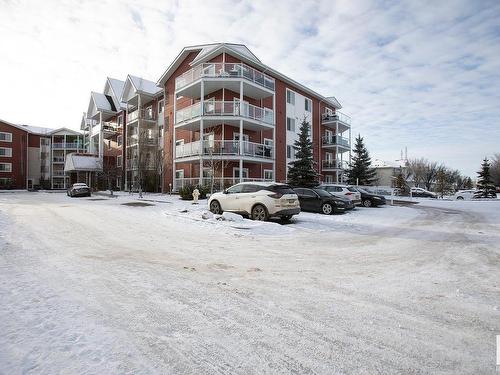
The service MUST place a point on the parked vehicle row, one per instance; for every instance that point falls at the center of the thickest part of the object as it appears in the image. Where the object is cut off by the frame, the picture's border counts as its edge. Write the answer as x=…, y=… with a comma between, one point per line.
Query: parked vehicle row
x=264, y=200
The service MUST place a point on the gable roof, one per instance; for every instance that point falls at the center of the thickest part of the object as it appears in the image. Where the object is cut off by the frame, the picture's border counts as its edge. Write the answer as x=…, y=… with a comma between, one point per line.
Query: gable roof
x=208, y=51
x=38, y=130
x=82, y=162
x=116, y=87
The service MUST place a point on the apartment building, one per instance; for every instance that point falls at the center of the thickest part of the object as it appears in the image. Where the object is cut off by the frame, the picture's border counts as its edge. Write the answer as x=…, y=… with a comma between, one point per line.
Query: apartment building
x=230, y=118
x=34, y=156
x=217, y=115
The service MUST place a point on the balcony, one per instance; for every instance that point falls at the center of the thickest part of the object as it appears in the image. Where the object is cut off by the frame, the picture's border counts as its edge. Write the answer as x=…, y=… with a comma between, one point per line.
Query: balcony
x=58, y=173
x=58, y=159
x=141, y=114
x=134, y=164
x=216, y=111
x=333, y=165
x=225, y=70
x=337, y=120
x=333, y=141
x=224, y=148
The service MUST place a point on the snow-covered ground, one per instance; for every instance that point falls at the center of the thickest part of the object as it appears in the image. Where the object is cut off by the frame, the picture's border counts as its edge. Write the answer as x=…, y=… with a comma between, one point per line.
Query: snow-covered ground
x=99, y=286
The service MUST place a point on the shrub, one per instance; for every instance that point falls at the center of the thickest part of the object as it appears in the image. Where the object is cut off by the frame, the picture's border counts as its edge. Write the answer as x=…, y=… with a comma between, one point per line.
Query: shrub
x=186, y=192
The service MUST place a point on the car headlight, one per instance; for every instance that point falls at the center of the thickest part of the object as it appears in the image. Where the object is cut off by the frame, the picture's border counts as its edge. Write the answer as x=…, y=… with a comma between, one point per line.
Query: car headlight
x=340, y=203
x=377, y=198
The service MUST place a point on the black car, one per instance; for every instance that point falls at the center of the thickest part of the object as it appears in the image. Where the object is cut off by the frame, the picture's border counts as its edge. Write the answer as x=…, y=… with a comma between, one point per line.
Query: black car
x=78, y=190
x=369, y=199
x=318, y=200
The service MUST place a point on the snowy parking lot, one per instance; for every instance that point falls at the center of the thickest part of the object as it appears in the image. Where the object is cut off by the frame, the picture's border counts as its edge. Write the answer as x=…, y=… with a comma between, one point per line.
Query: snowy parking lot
x=106, y=285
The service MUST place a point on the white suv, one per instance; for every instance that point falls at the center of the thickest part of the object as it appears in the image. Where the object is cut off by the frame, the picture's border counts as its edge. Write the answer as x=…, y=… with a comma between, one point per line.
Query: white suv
x=258, y=200
x=343, y=191
x=465, y=195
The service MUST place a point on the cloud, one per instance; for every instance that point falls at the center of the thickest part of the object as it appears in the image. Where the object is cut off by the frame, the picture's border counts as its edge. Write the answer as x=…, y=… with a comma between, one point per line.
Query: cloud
x=419, y=74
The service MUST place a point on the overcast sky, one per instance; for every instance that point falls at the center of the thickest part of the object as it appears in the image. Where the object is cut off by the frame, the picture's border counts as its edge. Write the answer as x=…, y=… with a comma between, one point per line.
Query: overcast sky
x=421, y=74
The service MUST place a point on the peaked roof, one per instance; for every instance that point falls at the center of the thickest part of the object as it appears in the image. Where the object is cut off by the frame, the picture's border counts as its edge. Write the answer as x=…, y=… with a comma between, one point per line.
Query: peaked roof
x=38, y=130
x=208, y=51
x=80, y=162
x=116, y=87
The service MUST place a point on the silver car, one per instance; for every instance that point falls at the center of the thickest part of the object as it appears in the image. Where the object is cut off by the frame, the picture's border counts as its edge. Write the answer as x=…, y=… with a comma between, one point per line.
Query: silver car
x=343, y=191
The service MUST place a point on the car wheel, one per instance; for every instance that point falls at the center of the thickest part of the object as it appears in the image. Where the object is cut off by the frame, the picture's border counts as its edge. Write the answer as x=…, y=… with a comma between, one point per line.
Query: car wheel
x=327, y=209
x=259, y=213
x=367, y=203
x=215, y=208
x=460, y=198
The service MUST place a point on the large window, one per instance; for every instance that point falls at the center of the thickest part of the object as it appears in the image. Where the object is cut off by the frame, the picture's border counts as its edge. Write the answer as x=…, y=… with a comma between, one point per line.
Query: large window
x=5, y=167
x=6, y=152
x=290, y=152
x=290, y=124
x=119, y=161
x=5, y=137
x=290, y=97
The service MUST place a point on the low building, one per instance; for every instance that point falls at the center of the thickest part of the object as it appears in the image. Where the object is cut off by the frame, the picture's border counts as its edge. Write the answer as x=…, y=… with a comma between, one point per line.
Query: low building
x=387, y=170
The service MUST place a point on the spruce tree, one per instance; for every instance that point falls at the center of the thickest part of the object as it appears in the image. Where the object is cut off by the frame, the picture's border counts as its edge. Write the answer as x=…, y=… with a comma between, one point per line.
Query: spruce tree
x=360, y=170
x=301, y=171
x=485, y=185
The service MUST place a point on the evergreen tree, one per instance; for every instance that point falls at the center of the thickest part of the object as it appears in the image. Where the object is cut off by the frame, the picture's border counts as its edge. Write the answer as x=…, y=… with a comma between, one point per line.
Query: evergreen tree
x=485, y=185
x=360, y=170
x=302, y=172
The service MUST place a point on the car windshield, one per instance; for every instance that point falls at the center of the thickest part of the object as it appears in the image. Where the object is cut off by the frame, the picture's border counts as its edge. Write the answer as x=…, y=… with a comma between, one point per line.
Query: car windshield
x=322, y=193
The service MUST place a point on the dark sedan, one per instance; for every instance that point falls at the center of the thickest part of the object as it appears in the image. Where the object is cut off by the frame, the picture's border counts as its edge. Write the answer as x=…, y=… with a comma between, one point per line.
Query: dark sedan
x=369, y=199
x=78, y=190
x=318, y=200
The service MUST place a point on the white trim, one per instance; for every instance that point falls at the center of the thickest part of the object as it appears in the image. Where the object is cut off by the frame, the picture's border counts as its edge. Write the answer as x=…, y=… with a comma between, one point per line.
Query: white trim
x=245, y=171
x=6, y=154
x=6, y=170
x=8, y=139
x=264, y=174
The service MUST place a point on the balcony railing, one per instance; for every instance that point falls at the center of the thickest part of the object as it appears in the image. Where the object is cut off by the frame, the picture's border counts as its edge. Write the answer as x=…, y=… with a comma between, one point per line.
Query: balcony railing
x=67, y=145
x=220, y=148
x=58, y=173
x=335, y=141
x=333, y=164
x=143, y=114
x=224, y=70
x=218, y=182
x=133, y=164
x=109, y=126
x=58, y=159
x=337, y=116
x=226, y=108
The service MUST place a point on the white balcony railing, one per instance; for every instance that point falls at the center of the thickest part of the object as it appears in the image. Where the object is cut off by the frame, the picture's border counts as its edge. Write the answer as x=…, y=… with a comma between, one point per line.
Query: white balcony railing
x=337, y=116
x=225, y=70
x=109, y=126
x=226, y=108
x=143, y=114
x=74, y=145
x=221, y=148
x=333, y=164
x=335, y=141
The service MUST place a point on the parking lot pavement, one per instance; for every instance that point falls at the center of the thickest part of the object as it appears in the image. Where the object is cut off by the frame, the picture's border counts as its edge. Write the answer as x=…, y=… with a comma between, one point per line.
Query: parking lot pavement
x=97, y=286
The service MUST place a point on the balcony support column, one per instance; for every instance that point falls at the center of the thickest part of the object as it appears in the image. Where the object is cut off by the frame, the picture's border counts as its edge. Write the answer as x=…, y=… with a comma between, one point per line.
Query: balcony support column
x=274, y=138
x=241, y=133
x=202, y=112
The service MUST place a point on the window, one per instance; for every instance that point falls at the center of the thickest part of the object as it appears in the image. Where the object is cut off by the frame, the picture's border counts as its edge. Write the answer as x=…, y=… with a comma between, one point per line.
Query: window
x=250, y=188
x=160, y=107
x=290, y=152
x=309, y=193
x=119, y=120
x=268, y=174
x=236, y=173
x=119, y=140
x=290, y=97
x=308, y=105
x=6, y=151
x=5, y=137
x=119, y=161
x=235, y=189
x=179, y=173
x=5, y=167
x=290, y=124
